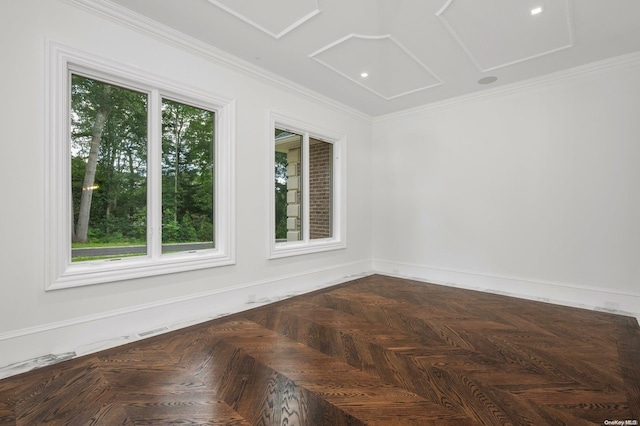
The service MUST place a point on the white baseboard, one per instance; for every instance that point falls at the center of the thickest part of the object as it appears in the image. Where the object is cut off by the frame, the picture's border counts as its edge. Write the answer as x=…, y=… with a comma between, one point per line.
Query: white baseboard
x=600, y=299
x=34, y=347
x=25, y=349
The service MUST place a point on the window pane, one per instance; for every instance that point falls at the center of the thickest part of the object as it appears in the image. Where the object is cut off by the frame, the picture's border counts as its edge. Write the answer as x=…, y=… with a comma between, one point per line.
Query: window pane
x=320, y=189
x=288, y=184
x=108, y=170
x=187, y=177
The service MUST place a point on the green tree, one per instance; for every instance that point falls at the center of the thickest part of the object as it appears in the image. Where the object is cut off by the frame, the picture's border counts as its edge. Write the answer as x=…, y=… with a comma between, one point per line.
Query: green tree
x=281, y=195
x=92, y=102
x=109, y=136
x=109, y=166
x=188, y=136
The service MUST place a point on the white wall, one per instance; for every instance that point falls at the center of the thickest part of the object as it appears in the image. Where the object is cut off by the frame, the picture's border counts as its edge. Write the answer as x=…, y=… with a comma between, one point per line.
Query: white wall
x=531, y=191
x=34, y=322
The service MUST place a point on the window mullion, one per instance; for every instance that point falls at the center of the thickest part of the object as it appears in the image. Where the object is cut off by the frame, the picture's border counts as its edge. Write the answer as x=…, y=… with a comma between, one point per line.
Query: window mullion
x=305, y=186
x=154, y=179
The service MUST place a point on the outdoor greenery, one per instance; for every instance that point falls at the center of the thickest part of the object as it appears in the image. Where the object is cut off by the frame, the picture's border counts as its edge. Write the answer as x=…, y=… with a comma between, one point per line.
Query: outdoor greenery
x=187, y=173
x=281, y=190
x=109, y=167
x=281, y=195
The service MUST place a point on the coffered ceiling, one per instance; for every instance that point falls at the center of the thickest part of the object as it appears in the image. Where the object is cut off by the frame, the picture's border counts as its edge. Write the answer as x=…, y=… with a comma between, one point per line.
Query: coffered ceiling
x=384, y=56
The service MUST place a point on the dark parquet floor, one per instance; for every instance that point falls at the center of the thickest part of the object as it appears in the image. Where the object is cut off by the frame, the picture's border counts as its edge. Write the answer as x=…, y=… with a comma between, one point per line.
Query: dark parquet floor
x=376, y=351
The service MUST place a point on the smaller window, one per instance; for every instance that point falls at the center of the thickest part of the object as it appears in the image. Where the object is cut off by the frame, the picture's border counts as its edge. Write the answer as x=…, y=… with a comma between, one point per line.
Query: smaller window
x=306, y=214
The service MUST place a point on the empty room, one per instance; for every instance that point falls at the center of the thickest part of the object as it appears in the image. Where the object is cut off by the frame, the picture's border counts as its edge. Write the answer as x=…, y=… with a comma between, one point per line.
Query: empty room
x=320, y=212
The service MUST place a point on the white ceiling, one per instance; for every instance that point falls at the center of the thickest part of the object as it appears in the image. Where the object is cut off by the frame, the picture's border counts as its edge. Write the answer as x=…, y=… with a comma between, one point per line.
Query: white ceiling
x=415, y=51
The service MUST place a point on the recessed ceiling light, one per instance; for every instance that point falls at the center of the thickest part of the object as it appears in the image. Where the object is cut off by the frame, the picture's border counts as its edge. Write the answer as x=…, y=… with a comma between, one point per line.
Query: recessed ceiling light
x=488, y=80
x=364, y=74
x=536, y=10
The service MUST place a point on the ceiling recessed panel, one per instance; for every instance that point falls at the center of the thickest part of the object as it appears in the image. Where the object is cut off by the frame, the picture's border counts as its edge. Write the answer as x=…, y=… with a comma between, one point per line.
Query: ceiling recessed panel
x=504, y=32
x=274, y=17
x=380, y=64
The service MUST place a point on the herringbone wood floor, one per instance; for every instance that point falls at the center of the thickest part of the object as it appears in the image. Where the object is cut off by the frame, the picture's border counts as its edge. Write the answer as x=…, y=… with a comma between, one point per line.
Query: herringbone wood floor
x=376, y=351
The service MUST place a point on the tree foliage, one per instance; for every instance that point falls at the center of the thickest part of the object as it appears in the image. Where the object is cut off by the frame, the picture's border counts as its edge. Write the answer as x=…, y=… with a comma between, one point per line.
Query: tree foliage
x=109, y=149
x=109, y=166
x=281, y=195
x=187, y=172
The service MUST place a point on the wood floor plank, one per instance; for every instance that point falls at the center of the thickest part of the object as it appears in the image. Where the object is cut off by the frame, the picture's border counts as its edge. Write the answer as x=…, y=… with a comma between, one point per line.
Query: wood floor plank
x=7, y=403
x=628, y=345
x=391, y=353
x=554, y=416
x=55, y=398
x=497, y=348
x=153, y=388
x=530, y=374
x=375, y=351
x=341, y=385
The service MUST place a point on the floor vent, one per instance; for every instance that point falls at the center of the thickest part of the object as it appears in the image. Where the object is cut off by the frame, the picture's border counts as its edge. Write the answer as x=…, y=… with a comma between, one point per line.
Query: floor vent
x=151, y=332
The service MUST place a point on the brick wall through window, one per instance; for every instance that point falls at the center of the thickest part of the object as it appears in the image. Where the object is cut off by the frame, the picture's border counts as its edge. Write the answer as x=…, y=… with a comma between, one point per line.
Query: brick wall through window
x=320, y=189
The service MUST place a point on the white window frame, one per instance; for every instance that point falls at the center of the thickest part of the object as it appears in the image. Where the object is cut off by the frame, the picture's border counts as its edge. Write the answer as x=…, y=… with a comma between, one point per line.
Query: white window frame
x=339, y=216
x=60, y=271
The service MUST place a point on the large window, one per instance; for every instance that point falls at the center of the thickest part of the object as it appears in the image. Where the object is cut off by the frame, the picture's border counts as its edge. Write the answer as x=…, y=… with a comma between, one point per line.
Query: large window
x=109, y=172
x=140, y=175
x=307, y=189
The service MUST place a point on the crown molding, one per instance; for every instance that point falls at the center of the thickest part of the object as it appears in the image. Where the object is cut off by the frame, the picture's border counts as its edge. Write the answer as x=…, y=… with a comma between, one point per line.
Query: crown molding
x=575, y=73
x=149, y=27
x=163, y=33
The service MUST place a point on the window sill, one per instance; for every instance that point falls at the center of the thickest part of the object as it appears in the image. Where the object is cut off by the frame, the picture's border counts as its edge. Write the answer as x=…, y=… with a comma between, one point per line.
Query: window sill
x=297, y=248
x=103, y=271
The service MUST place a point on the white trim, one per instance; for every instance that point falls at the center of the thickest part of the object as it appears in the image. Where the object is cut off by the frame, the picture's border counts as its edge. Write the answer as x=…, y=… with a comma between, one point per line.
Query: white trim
x=122, y=16
x=254, y=24
x=165, y=34
x=566, y=294
x=472, y=58
x=59, y=272
x=360, y=83
x=548, y=80
x=339, y=219
x=32, y=347
x=20, y=350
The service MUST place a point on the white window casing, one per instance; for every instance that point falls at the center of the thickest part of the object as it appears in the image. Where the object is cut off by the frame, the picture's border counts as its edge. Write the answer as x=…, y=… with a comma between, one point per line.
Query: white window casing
x=306, y=245
x=60, y=271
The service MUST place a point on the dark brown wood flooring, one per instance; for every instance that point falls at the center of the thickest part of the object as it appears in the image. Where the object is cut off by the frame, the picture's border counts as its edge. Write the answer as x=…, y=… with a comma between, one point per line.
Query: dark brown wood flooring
x=376, y=351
